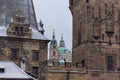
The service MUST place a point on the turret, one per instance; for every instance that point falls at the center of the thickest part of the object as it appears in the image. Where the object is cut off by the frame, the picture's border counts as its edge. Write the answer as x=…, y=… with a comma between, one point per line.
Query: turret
x=53, y=42
x=53, y=48
x=62, y=42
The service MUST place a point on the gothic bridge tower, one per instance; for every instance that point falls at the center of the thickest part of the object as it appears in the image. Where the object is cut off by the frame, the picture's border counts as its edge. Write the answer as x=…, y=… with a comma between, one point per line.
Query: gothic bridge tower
x=96, y=34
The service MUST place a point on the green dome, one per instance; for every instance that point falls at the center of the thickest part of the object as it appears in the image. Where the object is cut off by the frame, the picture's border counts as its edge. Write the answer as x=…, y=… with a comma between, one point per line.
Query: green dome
x=63, y=50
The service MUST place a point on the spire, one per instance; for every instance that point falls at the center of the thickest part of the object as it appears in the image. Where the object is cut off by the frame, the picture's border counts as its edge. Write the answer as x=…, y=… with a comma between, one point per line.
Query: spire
x=62, y=36
x=53, y=41
x=62, y=43
x=53, y=37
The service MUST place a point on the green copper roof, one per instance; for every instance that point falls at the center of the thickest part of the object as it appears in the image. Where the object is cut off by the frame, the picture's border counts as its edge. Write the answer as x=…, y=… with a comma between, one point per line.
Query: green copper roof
x=63, y=50
x=62, y=42
x=53, y=41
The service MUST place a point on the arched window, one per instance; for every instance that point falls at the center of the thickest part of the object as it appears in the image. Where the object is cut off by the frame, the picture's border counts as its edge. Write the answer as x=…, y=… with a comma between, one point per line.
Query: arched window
x=54, y=53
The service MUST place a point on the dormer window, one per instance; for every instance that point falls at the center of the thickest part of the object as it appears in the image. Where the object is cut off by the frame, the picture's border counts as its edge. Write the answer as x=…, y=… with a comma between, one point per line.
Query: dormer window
x=54, y=53
x=2, y=70
x=16, y=29
x=19, y=30
x=18, y=26
x=18, y=20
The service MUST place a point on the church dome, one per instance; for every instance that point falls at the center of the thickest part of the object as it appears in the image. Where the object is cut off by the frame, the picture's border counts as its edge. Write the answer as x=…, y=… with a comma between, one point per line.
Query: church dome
x=63, y=50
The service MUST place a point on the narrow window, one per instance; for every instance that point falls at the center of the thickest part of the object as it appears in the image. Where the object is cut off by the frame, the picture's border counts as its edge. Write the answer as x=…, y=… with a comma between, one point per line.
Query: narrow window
x=110, y=63
x=116, y=37
x=87, y=1
x=54, y=54
x=21, y=30
x=102, y=36
x=88, y=7
x=35, y=71
x=14, y=54
x=35, y=56
x=16, y=29
x=18, y=20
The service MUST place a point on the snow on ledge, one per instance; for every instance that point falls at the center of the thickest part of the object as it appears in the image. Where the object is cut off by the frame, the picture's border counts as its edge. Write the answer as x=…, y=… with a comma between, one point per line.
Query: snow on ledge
x=35, y=34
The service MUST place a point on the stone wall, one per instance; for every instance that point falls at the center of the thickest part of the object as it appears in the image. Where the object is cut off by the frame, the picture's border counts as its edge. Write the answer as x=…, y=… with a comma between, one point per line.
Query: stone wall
x=26, y=48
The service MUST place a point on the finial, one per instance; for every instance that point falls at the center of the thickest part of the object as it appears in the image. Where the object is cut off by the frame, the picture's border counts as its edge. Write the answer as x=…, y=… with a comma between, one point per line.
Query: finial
x=62, y=36
x=53, y=33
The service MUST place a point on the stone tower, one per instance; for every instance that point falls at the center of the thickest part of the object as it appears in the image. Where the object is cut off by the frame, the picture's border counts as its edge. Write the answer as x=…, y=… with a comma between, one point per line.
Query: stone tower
x=96, y=34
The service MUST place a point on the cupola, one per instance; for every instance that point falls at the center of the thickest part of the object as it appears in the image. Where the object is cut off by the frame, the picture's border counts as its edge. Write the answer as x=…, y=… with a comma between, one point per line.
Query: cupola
x=62, y=43
x=53, y=41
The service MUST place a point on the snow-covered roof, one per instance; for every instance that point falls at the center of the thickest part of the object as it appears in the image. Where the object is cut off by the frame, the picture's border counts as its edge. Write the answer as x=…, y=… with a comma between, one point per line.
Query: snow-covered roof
x=13, y=71
x=35, y=33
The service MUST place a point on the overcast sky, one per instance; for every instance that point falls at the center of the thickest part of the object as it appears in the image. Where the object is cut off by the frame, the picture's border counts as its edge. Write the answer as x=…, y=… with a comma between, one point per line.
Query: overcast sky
x=55, y=14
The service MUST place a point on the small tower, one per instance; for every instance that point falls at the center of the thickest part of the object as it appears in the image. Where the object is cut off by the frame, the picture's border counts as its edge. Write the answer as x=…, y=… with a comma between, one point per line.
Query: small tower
x=53, y=48
x=41, y=27
x=62, y=43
